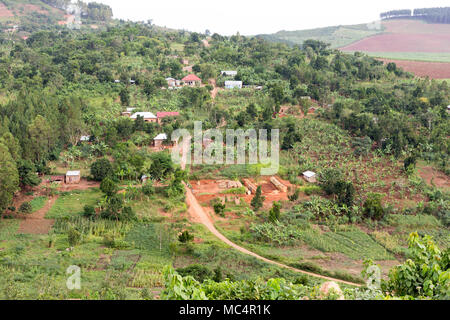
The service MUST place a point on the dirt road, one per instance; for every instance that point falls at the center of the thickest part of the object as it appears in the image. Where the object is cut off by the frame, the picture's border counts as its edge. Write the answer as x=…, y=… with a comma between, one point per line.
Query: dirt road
x=200, y=216
x=36, y=223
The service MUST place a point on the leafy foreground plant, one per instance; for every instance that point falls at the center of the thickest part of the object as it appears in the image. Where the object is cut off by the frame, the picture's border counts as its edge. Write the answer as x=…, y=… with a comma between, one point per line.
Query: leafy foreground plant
x=425, y=276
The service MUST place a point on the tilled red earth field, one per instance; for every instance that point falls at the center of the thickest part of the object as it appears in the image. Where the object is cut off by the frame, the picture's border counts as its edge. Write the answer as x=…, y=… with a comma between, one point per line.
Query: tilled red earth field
x=434, y=70
x=402, y=42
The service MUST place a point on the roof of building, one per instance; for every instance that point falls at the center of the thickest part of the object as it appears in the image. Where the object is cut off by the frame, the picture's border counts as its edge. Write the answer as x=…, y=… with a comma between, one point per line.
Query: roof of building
x=309, y=174
x=130, y=109
x=167, y=114
x=229, y=72
x=85, y=138
x=73, y=173
x=230, y=83
x=145, y=115
x=161, y=136
x=191, y=77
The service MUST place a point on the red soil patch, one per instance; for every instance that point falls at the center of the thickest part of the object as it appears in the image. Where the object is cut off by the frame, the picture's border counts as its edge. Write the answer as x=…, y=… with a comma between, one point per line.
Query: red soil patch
x=415, y=26
x=412, y=42
x=208, y=190
x=5, y=12
x=433, y=70
x=431, y=175
x=36, y=222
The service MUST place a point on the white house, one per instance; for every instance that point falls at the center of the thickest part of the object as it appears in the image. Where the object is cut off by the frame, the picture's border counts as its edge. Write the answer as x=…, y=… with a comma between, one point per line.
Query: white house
x=148, y=116
x=229, y=73
x=233, y=84
x=159, y=139
x=310, y=176
x=85, y=138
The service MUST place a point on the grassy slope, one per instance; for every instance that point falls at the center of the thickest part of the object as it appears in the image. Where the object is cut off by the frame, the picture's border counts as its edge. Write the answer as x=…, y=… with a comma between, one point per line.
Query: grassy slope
x=341, y=36
x=337, y=36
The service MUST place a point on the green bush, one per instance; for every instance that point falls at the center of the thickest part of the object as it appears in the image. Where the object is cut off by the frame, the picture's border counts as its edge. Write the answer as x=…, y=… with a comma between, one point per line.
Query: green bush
x=373, y=208
x=74, y=237
x=185, y=237
x=25, y=208
x=88, y=211
x=198, y=271
x=148, y=189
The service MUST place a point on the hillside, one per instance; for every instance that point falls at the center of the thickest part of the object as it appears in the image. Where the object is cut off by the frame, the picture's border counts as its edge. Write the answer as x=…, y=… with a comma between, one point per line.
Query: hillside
x=336, y=36
x=417, y=46
x=22, y=17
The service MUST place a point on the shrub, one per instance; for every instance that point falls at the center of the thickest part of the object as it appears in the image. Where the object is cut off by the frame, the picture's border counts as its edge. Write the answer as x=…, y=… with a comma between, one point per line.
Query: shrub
x=258, y=199
x=100, y=169
x=274, y=213
x=185, y=237
x=25, y=207
x=148, y=189
x=74, y=237
x=373, y=208
x=108, y=187
x=88, y=211
x=198, y=271
x=294, y=197
x=219, y=208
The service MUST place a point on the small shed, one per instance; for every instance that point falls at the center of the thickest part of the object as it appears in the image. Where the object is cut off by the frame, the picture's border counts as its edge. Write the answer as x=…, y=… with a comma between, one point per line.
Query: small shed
x=310, y=176
x=229, y=73
x=233, y=84
x=73, y=177
x=159, y=139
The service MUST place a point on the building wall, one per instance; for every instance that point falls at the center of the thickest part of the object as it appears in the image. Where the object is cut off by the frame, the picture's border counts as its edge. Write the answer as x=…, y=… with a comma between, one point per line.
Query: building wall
x=72, y=179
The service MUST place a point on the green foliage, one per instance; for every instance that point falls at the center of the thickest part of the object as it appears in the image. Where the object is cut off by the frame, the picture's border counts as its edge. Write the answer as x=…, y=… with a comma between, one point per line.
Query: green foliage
x=9, y=178
x=373, y=208
x=108, y=187
x=274, y=213
x=258, y=199
x=74, y=237
x=148, y=189
x=26, y=208
x=100, y=169
x=294, y=197
x=219, y=208
x=426, y=274
x=185, y=237
x=162, y=166
x=197, y=271
x=88, y=211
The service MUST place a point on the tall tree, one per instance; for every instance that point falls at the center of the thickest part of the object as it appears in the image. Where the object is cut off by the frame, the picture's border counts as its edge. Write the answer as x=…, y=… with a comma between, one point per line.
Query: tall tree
x=9, y=177
x=41, y=138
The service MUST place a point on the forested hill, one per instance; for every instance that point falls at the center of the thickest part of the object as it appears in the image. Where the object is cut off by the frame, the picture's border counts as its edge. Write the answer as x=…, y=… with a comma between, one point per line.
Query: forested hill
x=20, y=18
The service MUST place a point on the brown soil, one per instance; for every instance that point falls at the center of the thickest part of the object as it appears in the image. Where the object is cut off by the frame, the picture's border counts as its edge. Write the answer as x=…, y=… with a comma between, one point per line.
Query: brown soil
x=5, y=12
x=36, y=223
x=404, y=42
x=433, y=176
x=433, y=70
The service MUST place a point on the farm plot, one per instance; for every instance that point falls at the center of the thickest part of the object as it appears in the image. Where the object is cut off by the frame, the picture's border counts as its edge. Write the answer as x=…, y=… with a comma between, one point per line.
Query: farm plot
x=72, y=203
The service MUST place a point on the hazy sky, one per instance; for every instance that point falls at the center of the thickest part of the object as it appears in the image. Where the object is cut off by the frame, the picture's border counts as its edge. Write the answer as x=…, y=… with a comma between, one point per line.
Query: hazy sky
x=251, y=17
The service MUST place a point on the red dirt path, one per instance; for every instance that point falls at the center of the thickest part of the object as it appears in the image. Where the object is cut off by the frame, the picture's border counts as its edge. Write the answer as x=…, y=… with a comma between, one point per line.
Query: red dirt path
x=199, y=215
